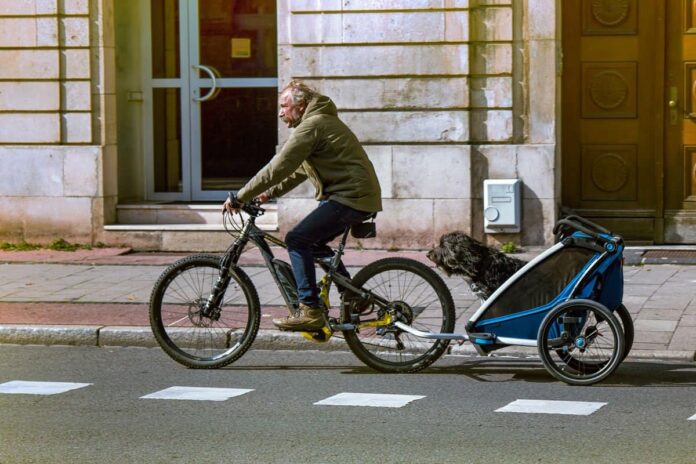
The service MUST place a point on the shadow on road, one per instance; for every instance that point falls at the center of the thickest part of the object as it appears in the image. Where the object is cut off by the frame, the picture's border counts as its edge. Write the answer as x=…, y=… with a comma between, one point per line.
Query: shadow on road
x=630, y=373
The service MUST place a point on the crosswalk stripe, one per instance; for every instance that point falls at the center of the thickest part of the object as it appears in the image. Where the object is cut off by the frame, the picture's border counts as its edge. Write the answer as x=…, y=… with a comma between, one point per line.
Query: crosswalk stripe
x=575, y=408
x=197, y=393
x=578, y=408
x=375, y=400
x=24, y=387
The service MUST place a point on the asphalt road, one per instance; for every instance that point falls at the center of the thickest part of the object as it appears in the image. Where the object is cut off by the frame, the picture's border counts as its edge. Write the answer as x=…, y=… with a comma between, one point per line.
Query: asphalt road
x=645, y=414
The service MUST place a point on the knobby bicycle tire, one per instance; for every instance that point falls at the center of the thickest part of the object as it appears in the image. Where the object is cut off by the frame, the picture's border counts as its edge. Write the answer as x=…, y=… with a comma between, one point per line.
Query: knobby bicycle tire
x=182, y=331
x=425, y=303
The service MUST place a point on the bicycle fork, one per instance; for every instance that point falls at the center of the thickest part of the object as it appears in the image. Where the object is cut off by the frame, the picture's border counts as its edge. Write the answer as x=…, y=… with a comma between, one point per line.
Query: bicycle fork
x=212, y=305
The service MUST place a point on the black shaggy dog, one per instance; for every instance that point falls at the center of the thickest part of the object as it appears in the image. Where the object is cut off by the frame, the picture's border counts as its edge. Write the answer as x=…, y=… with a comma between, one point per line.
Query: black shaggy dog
x=485, y=269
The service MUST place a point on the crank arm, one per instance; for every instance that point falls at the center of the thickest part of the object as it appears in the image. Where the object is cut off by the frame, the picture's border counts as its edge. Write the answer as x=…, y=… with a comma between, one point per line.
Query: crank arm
x=373, y=323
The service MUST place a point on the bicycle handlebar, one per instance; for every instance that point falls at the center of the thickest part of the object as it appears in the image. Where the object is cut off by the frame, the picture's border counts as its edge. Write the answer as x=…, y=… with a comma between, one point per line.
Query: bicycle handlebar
x=252, y=208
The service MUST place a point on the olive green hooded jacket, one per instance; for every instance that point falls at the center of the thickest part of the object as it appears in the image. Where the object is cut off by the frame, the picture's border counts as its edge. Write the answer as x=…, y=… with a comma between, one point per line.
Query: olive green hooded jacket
x=325, y=151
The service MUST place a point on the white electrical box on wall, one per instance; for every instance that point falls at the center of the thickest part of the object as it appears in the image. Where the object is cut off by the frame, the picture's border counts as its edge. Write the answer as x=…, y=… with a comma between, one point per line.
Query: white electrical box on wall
x=502, y=205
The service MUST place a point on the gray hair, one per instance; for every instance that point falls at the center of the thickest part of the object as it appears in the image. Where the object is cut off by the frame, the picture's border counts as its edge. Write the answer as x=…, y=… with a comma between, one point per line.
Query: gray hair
x=300, y=92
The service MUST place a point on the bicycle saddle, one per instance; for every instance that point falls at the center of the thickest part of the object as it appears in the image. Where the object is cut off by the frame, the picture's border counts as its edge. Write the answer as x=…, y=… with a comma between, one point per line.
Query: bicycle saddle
x=365, y=229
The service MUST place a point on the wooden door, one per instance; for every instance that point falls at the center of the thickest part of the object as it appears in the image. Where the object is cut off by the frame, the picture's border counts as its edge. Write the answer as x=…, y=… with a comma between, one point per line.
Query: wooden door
x=613, y=59
x=680, y=111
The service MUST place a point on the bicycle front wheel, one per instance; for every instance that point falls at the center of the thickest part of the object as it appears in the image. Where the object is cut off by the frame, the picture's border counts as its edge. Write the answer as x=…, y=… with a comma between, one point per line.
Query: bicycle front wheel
x=418, y=297
x=180, y=326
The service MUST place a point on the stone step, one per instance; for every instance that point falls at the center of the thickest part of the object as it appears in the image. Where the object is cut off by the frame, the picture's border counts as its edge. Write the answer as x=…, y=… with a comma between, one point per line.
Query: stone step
x=179, y=216
x=176, y=227
x=180, y=238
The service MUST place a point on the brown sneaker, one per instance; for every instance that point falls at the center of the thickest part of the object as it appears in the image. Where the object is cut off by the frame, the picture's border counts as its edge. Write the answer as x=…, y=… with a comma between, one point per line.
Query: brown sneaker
x=307, y=319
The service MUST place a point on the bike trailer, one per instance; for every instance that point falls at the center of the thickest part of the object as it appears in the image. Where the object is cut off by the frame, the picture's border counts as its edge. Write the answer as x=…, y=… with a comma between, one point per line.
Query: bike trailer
x=579, y=266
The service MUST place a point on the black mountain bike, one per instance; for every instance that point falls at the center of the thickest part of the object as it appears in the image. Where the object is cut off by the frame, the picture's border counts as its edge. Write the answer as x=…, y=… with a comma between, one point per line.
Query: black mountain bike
x=205, y=311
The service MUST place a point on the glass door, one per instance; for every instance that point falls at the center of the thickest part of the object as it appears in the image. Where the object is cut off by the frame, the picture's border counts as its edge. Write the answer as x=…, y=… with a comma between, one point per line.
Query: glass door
x=214, y=95
x=166, y=134
x=234, y=87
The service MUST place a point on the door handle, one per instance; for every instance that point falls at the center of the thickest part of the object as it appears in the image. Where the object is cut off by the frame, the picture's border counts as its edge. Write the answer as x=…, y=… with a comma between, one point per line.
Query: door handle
x=674, y=109
x=673, y=104
x=213, y=73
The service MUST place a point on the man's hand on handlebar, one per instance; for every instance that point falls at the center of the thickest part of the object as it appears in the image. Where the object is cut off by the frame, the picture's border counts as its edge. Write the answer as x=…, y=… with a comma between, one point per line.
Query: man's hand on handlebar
x=232, y=205
x=263, y=198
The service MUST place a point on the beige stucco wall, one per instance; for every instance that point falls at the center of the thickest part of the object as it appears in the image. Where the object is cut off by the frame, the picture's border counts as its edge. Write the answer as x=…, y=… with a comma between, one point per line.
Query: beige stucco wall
x=57, y=119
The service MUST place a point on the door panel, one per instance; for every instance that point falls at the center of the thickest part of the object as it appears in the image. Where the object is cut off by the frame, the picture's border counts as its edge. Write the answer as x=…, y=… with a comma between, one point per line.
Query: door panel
x=211, y=106
x=234, y=145
x=234, y=90
x=239, y=38
x=610, y=139
x=164, y=23
x=680, y=156
x=167, y=137
x=167, y=140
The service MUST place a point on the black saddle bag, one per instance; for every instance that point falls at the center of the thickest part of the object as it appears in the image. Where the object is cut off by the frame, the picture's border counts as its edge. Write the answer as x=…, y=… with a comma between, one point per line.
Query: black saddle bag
x=365, y=229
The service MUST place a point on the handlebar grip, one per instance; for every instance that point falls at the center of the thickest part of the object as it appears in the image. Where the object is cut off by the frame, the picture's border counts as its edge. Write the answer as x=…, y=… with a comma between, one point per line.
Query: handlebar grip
x=233, y=200
x=252, y=208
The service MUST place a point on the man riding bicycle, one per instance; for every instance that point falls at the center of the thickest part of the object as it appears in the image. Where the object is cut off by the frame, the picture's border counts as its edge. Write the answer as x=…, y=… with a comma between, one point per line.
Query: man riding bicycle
x=324, y=150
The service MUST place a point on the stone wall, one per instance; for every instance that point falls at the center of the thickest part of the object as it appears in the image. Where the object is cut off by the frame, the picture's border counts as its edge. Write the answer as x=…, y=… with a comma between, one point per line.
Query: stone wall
x=443, y=94
x=399, y=76
x=57, y=143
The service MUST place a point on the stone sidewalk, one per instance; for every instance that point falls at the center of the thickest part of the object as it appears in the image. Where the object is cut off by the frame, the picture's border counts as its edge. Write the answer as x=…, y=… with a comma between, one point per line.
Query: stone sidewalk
x=99, y=297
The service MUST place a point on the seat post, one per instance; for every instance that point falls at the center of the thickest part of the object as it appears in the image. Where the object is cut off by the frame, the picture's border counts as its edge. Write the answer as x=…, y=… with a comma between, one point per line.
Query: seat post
x=341, y=247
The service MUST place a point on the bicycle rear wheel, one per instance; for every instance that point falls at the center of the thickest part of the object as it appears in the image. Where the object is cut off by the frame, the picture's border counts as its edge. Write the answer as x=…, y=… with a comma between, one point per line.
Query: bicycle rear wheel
x=184, y=332
x=420, y=299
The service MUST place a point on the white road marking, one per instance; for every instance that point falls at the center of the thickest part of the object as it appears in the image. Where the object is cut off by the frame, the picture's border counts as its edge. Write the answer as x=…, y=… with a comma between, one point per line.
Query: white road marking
x=575, y=408
x=23, y=387
x=197, y=393
x=375, y=400
x=693, y=418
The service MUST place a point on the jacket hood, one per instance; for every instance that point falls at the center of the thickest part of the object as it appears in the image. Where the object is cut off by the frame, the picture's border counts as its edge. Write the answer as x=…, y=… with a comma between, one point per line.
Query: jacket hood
x=320, y=105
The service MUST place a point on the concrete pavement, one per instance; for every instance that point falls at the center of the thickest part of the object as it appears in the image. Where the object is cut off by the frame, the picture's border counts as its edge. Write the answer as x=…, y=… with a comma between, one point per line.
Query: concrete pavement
x=99, y=297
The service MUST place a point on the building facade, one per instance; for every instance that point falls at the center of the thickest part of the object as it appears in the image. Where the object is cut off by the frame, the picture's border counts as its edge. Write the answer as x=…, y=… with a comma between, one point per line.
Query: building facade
x=127, y=121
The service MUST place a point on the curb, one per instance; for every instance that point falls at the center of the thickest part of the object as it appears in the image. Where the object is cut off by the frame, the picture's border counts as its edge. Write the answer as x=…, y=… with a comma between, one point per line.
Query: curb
x=75, y=335
x=129, y=336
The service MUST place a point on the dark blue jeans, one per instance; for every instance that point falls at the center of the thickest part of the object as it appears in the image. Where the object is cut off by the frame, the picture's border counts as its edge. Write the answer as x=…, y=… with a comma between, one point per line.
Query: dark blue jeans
x=309, y=238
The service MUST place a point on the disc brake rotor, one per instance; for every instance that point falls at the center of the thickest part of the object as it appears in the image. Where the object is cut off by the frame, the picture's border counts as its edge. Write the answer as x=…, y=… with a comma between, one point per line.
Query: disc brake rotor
x=196, y=316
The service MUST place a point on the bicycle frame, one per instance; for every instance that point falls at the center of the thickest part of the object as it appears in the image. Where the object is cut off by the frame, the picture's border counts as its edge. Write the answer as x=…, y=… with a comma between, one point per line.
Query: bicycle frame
x=250, y=232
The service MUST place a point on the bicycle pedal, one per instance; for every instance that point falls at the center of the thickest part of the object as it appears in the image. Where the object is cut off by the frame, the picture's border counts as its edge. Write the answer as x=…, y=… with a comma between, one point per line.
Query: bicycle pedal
x=320, y=336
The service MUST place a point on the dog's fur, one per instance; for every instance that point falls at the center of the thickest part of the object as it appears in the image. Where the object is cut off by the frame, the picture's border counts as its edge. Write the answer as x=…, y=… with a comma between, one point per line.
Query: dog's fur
x=485, y=269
